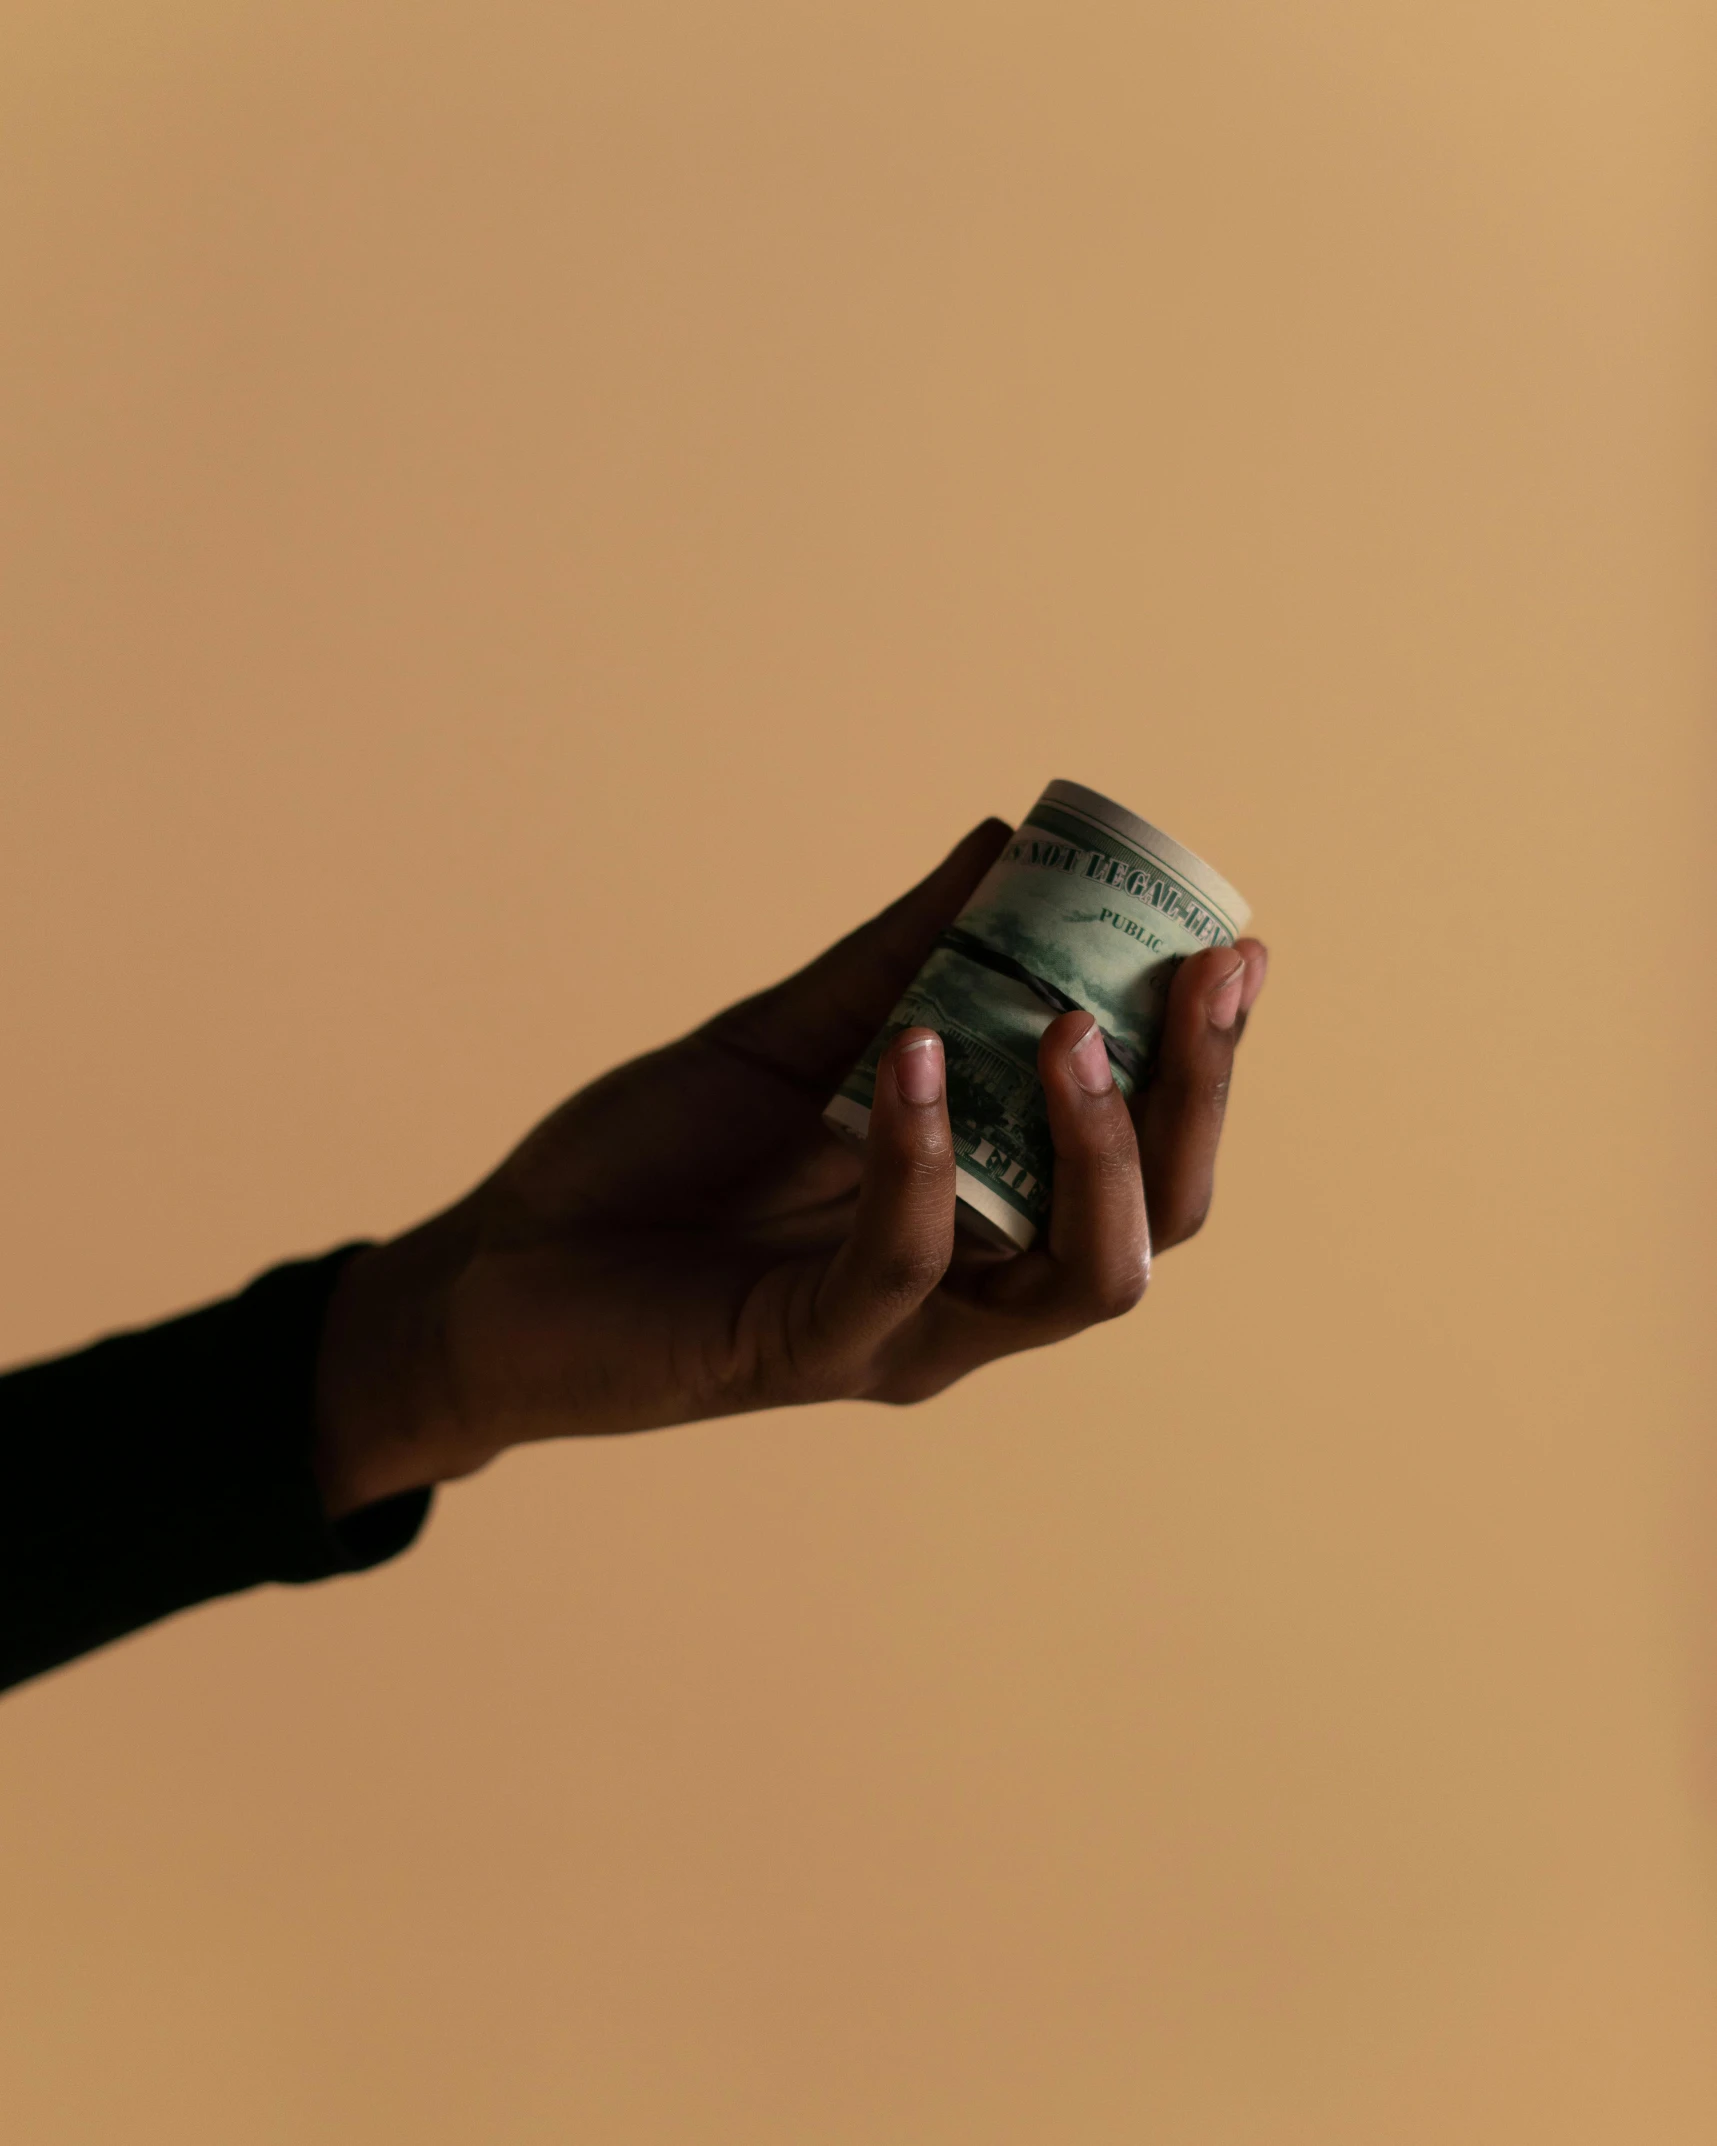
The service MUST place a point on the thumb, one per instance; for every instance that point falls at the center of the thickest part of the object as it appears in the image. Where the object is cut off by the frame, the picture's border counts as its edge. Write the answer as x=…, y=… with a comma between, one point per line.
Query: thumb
x=811, y=1027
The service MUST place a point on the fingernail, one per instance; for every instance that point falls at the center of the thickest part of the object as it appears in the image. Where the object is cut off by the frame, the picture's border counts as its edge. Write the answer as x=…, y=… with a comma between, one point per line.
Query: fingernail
x=1090, y=1062
x=1224, y=1002
x=1256, y=971
x=918, y=1068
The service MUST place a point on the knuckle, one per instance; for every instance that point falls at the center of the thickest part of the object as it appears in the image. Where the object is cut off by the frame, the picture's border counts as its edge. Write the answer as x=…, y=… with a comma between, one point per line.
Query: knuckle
x=1119, y=1292
x=919, y=1165
x=925, y=1169
x=907, y=1273
x=831, y=1380
x=1118, y=1165
x=825, y=1375
x=816, y=1365
x=906, y=1389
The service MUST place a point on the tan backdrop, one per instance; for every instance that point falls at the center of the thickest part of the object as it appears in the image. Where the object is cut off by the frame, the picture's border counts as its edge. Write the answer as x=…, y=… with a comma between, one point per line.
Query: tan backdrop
x=520, y=522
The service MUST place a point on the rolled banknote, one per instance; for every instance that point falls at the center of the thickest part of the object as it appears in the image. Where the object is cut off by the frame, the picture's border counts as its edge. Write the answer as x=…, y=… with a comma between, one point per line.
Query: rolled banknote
x=1088, y=906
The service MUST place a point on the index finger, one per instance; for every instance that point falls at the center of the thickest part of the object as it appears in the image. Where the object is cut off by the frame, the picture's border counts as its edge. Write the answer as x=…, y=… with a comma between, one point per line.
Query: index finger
x=811, y=1027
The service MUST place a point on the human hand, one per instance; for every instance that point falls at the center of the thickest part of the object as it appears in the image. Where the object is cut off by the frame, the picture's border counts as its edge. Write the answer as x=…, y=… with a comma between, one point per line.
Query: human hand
x=684, y=1238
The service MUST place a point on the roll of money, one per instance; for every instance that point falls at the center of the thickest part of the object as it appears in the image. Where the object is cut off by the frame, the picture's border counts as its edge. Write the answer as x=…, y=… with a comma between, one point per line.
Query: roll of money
x=1088, y=906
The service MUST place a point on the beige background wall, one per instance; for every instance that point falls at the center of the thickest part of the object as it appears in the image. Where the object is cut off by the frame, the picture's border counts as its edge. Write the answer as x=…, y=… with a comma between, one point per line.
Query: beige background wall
x=519, y=523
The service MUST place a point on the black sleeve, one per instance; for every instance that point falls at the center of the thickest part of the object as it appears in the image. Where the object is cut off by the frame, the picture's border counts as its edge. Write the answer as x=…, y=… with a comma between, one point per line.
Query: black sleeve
x=161, y=1467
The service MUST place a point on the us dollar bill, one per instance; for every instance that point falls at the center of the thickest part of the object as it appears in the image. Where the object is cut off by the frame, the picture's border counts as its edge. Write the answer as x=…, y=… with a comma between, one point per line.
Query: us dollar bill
x=1088, y=906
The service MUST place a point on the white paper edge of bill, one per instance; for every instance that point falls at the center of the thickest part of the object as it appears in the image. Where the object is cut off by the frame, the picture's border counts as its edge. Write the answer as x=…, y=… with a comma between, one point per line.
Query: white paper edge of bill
x=852, y=1119
x=1144, y=836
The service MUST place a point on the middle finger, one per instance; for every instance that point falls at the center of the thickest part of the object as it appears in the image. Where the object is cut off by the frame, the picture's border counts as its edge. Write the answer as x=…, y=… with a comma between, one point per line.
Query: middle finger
x=1096, y=1259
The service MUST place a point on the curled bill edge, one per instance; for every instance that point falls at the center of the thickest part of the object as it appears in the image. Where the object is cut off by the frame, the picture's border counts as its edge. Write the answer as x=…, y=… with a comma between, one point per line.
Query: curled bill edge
x=1103, y=812
x=987, y=1215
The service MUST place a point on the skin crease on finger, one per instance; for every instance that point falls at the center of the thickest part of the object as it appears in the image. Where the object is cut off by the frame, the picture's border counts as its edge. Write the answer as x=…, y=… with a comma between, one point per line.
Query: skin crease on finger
x=684, y=1239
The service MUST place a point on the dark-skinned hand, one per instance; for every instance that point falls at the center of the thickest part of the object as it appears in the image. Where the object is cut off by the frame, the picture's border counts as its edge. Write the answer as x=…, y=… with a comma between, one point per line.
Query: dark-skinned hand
x=684, y=1238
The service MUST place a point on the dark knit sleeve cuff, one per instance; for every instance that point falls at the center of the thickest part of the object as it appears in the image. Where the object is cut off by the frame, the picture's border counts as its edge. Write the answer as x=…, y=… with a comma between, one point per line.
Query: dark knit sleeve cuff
x=271, y=1354
x=162, y=1467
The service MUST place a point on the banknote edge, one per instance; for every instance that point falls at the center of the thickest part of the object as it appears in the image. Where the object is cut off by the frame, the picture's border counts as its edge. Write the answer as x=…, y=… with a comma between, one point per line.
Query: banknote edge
x=850, y=1121
x=1105, y=812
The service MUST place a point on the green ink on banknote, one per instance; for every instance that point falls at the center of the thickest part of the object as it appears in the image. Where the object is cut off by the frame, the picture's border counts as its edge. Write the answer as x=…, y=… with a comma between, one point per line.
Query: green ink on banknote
x=1088, y=906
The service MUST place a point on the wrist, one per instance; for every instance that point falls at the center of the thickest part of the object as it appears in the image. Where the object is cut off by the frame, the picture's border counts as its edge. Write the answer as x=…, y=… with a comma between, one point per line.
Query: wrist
x=384, y=1421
